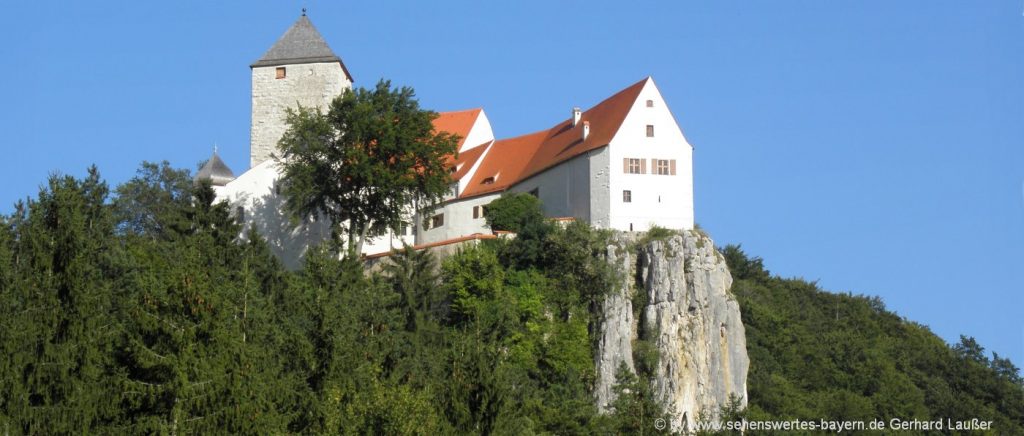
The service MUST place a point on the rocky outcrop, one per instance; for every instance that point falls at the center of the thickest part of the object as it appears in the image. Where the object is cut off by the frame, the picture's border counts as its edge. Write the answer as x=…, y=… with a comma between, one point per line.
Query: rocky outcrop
x=689, y=316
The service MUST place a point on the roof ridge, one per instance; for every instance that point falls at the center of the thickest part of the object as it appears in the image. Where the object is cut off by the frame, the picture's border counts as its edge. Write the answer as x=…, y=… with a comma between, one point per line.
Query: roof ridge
x=302, y=43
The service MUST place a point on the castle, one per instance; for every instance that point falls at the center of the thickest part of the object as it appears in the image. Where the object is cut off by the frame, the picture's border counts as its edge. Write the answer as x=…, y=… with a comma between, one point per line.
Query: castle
x=623, y=164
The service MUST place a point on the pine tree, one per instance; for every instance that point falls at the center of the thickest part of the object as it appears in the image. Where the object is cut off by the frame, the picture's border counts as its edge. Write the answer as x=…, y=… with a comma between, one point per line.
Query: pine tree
x=58, y=339
x=196, y=345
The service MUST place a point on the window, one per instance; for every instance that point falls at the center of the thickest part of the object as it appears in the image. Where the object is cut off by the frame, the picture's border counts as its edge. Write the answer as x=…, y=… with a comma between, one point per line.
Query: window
x=627, y=196
x=479, y=212
x=535, y=192
x=650, y=103
x=437, y=220
x=661, y=167
x=650, y=130
x=488, y=181
x=240, y=215
x=634, y=166
x=280, y=72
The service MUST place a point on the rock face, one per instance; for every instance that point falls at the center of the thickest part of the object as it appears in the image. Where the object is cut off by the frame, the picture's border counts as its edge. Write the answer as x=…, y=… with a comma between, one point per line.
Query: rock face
x=688, y=314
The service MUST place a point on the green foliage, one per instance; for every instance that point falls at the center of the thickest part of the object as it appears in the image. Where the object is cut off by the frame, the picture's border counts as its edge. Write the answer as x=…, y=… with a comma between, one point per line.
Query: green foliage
x=819, y=355
x=56, y=300
x=635, y=409
x=153, y=200
x=129, y=315
x=513, y=212
x=656, y=233
x=364, y=161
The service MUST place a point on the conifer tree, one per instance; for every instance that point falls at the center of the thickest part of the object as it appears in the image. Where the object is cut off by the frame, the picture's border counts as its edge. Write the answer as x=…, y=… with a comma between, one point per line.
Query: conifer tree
x=58, y=339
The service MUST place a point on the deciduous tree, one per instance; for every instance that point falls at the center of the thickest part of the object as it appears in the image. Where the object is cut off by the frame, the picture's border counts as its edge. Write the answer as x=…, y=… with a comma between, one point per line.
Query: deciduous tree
x=366, y=164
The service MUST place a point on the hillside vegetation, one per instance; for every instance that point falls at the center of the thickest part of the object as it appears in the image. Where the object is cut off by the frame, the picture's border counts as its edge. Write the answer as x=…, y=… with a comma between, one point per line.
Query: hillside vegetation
x=141, y=311
x=144, y=313
x=815, y=354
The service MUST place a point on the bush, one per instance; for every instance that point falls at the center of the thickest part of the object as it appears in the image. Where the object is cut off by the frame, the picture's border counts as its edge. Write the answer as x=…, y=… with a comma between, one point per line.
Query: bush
x=513, y=212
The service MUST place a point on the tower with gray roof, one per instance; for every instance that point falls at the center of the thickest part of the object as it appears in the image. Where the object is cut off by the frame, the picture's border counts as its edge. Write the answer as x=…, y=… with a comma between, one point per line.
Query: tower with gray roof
x=299, y=69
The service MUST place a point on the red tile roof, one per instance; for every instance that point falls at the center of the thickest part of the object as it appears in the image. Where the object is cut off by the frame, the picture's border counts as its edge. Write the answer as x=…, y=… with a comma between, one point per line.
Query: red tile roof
x=457, y=123
x=515, y=159
x=466, y=159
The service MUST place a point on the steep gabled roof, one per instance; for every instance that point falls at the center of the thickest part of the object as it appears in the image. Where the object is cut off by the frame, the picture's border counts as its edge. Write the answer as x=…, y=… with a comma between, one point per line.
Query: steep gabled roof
x=301, y=44
x=457, y=123
x=515, y=159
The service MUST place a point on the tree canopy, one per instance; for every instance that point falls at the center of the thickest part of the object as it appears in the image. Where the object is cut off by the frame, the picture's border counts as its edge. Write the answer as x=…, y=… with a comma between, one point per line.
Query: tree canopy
x=368, y=164
x=179, y=326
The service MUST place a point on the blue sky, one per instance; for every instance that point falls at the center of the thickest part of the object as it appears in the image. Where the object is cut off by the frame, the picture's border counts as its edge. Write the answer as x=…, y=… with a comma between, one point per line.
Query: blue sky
x=875, y=146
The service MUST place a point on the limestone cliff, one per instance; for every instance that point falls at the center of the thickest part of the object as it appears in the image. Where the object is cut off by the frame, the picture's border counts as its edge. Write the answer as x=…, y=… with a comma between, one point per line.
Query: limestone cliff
x=688, y=314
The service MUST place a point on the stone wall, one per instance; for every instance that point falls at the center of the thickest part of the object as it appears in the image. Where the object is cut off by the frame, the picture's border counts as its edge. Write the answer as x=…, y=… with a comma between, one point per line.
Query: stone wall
x=304, y=84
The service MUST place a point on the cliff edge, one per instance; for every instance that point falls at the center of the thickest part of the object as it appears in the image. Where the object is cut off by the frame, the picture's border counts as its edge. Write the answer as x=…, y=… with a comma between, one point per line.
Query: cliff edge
x=680, y=287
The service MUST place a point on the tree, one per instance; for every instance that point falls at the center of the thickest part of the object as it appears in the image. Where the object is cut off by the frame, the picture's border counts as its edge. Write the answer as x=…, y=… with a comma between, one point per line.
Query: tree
x=55, y=349
x=513, y=212
x=156, y=197
x=366, y=164
x=635, y=408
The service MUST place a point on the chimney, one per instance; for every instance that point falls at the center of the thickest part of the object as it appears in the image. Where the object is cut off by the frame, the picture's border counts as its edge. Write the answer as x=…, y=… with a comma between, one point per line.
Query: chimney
x=576, y=114
x=586, y=130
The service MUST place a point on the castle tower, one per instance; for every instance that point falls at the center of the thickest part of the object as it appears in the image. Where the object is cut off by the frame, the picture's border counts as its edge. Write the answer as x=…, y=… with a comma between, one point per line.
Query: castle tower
x=299, y=69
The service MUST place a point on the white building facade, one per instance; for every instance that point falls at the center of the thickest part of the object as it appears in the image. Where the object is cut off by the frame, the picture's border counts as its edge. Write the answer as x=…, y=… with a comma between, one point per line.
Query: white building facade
x=622, y=164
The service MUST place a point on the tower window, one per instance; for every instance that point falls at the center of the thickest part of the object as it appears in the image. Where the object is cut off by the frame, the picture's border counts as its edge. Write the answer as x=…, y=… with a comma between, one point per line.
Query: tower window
x=650, y=103
x=627, y=196
x=650, y=130
x=281, y=73
x=240, y=215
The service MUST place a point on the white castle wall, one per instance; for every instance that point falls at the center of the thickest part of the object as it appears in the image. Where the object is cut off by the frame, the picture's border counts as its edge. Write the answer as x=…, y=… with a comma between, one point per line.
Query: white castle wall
x=458, y=220
x=600, y=176
x=479, y=134
x=254, y=195
x=665, y=200
x=309, y=85
x=565, y=189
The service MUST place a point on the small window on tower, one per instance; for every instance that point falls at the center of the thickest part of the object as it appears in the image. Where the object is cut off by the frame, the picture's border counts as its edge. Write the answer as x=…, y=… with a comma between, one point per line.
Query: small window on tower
x=627, y=196
x=650, y=131
x=280, y=72
x=650, y=103
x=240, y=215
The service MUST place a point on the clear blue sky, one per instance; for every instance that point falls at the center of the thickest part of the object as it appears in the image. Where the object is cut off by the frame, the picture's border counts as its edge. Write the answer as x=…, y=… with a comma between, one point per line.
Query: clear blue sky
x=876, y=146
